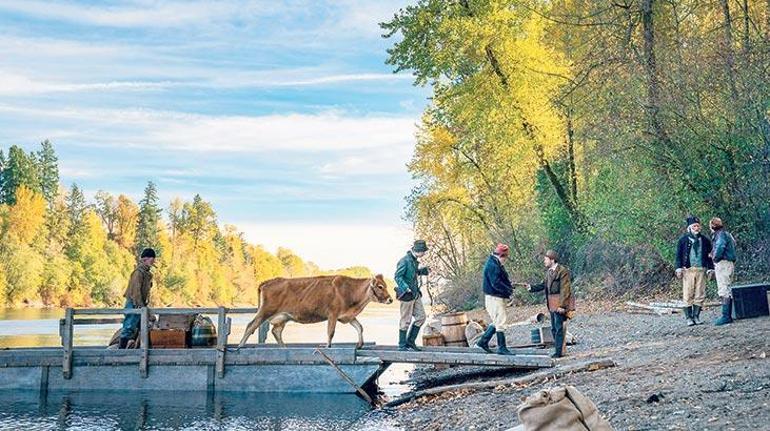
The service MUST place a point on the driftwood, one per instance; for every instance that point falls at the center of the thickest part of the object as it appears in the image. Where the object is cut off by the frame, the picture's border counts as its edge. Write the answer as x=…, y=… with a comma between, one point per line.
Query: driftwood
x=588, y=365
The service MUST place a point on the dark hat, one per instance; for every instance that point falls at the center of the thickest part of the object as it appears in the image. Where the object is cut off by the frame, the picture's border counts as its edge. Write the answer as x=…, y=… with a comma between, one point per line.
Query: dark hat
x=147, y=252
x=691, y=220
x=419, y=246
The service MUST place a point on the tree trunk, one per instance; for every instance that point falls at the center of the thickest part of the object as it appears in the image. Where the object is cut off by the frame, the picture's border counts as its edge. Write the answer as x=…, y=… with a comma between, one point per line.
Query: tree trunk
x=651, y=69
x=729, y=52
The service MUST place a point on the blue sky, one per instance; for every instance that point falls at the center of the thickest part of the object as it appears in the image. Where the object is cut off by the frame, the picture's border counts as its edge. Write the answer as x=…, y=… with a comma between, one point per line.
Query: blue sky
x=282, y=114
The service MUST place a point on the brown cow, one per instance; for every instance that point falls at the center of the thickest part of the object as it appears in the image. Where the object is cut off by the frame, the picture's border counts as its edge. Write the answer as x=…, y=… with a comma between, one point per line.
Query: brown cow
x=315, y=299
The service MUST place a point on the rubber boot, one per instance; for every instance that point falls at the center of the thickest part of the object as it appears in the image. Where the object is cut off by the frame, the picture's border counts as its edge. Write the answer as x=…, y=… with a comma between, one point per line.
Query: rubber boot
x=502, y=349
x=402, y=339
x=412, y=337
x=727, y=312
x=696, y=314
x=483, y=342
x=123, y=343
x=688, y=316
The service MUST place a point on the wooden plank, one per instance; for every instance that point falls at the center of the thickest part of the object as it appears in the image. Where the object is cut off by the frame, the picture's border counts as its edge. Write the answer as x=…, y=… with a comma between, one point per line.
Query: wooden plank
x=221, y=342
x=524, y=361
x=588, y=365
x=162, y=310
x=300, y=345
x=457, y=349
x=144, y=334
x=67, y=337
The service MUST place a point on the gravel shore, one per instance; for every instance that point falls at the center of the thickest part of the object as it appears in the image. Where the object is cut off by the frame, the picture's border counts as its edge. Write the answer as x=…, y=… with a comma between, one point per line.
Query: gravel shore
x=668, y=377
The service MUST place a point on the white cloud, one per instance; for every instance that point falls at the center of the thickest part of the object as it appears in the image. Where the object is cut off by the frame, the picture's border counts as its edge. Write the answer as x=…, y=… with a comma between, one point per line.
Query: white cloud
x=138, y=14
x=323, y=132
x=336, y=246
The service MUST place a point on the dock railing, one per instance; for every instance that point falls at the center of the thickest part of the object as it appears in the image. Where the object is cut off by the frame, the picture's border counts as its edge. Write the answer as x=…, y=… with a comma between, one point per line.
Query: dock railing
x=67, y=329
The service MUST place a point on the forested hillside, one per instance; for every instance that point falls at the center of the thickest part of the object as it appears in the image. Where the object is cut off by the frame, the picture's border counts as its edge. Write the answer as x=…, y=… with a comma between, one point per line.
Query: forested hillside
x=59, y=247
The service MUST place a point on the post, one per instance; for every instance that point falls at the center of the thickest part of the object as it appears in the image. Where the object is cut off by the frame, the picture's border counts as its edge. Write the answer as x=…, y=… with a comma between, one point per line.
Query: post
x=222, y=331
x=262, y=332
x=67, y=335
x=144, y=337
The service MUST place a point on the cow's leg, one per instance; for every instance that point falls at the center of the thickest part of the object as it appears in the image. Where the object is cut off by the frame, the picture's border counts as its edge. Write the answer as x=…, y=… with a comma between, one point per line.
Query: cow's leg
x=330, y=329
x=279, y=322
x=360, y=329
x=252, y=326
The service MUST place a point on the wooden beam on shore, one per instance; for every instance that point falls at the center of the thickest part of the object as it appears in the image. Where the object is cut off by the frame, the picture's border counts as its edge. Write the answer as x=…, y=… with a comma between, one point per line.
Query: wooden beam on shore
x=457, y=349
x=456, y=358
x=588, y=365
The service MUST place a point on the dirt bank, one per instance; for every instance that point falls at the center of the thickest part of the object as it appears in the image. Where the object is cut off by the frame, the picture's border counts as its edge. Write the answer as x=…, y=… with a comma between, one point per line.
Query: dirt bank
x=704, y=377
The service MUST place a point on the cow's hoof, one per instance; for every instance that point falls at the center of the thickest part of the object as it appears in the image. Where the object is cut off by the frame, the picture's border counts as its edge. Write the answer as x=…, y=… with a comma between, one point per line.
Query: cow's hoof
x=360, y=346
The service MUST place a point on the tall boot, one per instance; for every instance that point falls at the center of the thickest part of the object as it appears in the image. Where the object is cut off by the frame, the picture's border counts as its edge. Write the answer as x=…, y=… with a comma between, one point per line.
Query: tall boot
x=122, y=343
x=483, y=342
x=412, y=337
x=502, y=349
x=688, y=315
x=727, y=312
x=402, y=339
x=696, y=314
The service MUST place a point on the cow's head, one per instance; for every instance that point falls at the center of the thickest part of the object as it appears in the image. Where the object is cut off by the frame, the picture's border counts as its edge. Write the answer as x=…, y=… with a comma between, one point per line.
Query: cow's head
x=380, y=289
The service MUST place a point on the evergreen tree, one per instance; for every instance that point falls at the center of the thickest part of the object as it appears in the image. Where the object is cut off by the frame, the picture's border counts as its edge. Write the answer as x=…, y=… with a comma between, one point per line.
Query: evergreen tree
x=3, y=162
x=76, y=211
x=148, y=224
x=20, y=169
x=49, y=171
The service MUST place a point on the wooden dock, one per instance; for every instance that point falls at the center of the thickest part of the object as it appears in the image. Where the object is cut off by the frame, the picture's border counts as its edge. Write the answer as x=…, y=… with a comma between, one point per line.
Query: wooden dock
x=254, y=368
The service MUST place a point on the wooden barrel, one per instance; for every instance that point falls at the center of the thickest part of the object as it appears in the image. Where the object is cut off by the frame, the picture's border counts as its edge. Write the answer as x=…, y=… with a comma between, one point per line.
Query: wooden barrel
x=454, y=319
x=453, y=329
x=433, y=340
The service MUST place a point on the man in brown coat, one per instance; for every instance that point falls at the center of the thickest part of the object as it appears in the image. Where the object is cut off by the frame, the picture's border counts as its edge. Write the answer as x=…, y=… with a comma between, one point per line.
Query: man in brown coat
x=137, y=295
x=558, y=294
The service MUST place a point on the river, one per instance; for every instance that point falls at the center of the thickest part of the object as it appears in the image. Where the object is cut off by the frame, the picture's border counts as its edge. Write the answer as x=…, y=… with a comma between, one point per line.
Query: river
x=190, y=410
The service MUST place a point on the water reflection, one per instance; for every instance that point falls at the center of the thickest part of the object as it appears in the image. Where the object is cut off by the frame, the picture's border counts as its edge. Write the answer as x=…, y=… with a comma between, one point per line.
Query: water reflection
x=178, y=411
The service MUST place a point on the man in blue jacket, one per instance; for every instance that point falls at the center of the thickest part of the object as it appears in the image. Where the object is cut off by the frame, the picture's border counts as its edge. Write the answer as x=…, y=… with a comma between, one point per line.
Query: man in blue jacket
x=723, y=256
x=408, y=292
x=497, y=288
x=693, y=265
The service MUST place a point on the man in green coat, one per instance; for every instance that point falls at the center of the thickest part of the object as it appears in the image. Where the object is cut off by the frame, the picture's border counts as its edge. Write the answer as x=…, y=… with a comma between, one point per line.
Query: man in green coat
x=408, y=292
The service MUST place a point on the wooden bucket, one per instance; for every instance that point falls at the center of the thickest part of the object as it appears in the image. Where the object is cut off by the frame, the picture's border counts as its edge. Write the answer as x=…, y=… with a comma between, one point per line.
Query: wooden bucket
x=453, y=329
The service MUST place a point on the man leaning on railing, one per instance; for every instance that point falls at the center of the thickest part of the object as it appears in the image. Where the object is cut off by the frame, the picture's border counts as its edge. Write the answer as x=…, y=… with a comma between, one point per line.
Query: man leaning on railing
x=137, y=295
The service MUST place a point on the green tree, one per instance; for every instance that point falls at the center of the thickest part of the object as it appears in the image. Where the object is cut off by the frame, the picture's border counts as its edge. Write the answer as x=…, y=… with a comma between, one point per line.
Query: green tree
x=49, y=171
x=76, y=208
x=20, y=169
x=148, y=222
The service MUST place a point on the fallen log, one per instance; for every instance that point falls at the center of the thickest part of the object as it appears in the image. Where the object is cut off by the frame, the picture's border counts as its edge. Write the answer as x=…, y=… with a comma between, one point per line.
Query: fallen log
x=588, y=365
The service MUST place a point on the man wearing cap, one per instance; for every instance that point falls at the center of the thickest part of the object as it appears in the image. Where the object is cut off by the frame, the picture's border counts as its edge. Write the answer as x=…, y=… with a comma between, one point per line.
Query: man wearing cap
x=723, y=256
x=559, y=299
x=137, y=295
x=497, y=289
x=693, y=265
x=408, y=292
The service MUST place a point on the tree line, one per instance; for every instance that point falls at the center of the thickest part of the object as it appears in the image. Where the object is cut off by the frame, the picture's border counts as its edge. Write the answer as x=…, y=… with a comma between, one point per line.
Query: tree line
x=589, y=127
x=58, y=248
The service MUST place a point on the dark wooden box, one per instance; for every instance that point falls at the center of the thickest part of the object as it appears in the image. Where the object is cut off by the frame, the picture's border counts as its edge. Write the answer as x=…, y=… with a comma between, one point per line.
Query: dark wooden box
x=169, y=339
x=750, y=301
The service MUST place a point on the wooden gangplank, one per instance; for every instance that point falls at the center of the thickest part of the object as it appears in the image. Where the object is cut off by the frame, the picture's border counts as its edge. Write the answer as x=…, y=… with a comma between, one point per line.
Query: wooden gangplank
x=457, y=358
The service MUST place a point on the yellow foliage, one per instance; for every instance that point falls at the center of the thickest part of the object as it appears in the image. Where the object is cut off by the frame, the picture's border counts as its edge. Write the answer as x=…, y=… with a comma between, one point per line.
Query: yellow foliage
x=26, y=217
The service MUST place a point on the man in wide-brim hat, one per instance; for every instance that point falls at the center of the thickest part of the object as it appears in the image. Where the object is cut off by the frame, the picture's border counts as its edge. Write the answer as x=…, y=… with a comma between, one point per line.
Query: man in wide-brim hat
x=408, y=292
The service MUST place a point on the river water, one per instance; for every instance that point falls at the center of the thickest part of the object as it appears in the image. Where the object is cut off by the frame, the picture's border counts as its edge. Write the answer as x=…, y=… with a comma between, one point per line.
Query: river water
x=20, y=410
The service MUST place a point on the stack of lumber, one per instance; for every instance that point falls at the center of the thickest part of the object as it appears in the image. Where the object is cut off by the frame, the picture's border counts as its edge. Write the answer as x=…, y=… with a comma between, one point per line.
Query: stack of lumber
x=659, y=308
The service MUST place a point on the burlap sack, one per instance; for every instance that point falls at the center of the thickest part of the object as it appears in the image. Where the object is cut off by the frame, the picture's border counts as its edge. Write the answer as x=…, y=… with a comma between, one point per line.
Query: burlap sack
x=563, y=409
x=473, y=332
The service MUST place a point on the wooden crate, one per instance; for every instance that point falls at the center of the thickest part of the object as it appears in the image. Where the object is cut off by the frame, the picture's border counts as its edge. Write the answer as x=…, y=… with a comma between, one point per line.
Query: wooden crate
x=169, y=339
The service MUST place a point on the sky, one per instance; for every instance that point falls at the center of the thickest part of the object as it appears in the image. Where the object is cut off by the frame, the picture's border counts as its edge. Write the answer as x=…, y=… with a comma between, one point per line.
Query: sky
x=282, y=114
